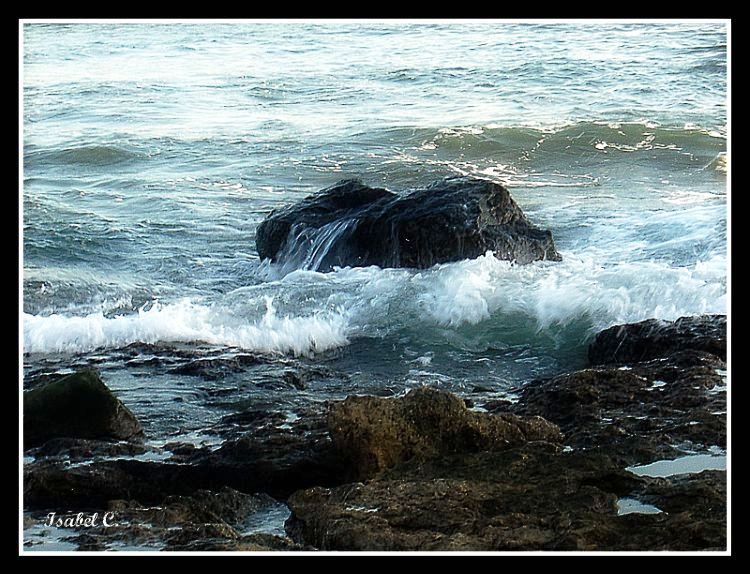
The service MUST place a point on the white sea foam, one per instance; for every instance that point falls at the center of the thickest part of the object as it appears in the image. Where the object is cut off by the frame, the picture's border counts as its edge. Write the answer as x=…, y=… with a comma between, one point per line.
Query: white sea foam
x=186, y=321
x=720, y=163
x=558, y=293
x=312, y=312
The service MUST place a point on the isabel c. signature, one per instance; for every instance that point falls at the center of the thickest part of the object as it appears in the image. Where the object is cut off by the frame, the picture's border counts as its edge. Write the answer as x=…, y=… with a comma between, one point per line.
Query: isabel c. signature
x=80, y=520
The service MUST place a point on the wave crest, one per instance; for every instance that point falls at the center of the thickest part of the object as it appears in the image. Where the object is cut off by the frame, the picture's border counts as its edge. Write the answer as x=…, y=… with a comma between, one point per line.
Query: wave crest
x=186, y=321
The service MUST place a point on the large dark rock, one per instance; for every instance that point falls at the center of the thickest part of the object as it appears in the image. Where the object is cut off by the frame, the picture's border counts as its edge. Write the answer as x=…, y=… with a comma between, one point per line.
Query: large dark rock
x=635, y=342
x=351, y=224
x=78, y=405
x=375, y=433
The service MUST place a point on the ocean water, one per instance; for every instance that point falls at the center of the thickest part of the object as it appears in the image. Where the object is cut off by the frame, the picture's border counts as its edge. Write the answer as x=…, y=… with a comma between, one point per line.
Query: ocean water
x=151, y=152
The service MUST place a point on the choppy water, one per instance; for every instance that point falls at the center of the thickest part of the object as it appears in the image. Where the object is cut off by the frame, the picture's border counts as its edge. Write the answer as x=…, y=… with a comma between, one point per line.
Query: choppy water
x=152, y=152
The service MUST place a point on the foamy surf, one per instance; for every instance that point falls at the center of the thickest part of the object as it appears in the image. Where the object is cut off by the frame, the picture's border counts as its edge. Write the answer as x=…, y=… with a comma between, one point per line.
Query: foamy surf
x=308, y=312
x=556, y=294
x=185, y=321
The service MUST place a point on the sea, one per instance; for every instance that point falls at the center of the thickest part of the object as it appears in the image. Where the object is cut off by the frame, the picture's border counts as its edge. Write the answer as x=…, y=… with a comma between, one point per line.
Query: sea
x=153, y=150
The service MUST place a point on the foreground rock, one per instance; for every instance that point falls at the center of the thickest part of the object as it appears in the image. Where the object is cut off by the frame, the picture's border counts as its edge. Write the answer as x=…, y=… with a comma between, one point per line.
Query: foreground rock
x=78, y=405
x=439, y=476
x=461, y=493
x=647, y=411
x=657, y=390
x=374, y=433
x=529, y=498
x=354, y=439
x=270, y=455
x=351, y=224
x=204, y=520
x=636, y=342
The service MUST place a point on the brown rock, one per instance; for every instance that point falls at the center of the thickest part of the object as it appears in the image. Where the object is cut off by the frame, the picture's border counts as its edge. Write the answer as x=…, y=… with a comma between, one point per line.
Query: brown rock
x=375, y=433
x=529, y=498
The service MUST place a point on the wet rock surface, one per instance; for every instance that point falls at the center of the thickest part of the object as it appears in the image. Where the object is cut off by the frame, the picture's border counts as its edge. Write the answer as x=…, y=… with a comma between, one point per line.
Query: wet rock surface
x=274, y=454
x=541, y=496
x=636, y=342
x=78, y=449
x=268, y=455
x=661, y=408
x=352, y=224
x=204, y=520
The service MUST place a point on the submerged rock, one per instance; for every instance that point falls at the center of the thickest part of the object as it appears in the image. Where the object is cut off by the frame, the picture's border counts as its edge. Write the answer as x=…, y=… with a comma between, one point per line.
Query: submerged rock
x=654, y=338
x=82, y=449
x=352, y=224
x=217, y=368
x=79, y=406
x=375, y=433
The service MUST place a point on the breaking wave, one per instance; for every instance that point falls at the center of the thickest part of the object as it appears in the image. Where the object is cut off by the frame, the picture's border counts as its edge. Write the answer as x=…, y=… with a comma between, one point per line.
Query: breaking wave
x=185, y=321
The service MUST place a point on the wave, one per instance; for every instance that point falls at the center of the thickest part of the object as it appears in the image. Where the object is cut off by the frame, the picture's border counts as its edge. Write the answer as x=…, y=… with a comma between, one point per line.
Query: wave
x=592, y=137
x=489, y=141
x=185, y=321
x=89, y=155
x=550, y=294
x=574, y=155
x=308, y=312
x=719, y=163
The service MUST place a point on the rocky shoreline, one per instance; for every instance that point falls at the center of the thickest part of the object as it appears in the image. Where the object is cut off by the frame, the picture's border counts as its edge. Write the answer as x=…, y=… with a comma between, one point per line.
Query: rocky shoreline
x=563, y=467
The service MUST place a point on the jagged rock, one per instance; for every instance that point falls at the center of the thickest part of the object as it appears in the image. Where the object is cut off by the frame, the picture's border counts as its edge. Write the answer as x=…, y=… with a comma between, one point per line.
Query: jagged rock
x=637, y=413
x=204, y=520
x=375, y=433
x=271, y=455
